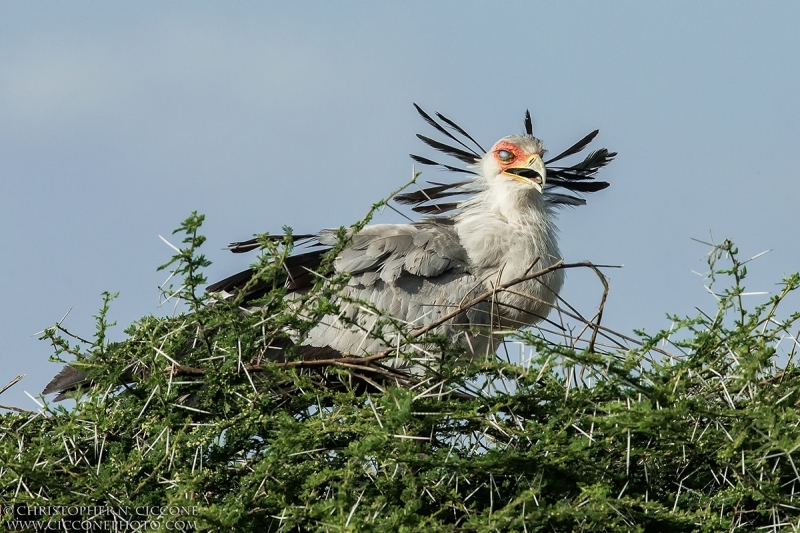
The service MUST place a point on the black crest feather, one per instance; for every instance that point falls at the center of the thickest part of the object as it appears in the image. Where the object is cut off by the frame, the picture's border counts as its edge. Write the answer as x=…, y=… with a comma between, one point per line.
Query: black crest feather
x=579, y=186
x=578, y=178
x=461, y=131
x=575, y=148
x=431, y=193
x=564, y=199
x=459, y=154
x=441, y=129
x=431, y=162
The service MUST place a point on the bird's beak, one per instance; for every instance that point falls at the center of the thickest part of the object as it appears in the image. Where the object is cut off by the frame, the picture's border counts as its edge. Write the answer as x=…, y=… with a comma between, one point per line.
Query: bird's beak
x=534, y=174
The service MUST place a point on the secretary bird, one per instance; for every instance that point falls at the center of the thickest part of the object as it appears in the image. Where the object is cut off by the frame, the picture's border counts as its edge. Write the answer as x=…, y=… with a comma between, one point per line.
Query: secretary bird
x=500, y=228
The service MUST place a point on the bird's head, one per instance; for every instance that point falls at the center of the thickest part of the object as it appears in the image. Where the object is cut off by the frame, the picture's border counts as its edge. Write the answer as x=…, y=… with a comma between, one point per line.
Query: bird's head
x=516, y=160
x=512, y=172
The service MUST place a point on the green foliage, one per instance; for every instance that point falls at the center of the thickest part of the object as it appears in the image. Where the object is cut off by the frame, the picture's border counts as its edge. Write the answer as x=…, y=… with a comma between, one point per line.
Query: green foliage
x=691, y=429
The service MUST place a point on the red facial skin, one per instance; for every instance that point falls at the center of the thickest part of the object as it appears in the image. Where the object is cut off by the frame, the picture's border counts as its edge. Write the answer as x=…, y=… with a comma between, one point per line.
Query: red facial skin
x=519, y=158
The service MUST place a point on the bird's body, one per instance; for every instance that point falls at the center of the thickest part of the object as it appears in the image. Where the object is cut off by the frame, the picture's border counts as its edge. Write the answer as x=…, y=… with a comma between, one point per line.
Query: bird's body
x=418, y=273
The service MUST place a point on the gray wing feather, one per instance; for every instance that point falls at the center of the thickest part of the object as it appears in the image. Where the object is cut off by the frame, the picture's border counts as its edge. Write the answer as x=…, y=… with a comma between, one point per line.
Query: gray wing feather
x=392, y=267
x=425, y=249
x=416, y=273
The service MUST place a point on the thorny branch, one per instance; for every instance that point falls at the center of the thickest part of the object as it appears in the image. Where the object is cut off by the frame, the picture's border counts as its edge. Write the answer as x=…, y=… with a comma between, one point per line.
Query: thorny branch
x=368, y=363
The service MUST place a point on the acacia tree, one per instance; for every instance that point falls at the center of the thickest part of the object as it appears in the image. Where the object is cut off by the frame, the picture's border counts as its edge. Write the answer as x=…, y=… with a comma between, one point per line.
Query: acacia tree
x=691, y=429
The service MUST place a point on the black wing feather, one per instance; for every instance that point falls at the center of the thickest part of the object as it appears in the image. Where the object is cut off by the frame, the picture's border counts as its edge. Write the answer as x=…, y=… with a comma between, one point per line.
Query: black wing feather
x=434, y=209
x=296, y=267
x=253, y=244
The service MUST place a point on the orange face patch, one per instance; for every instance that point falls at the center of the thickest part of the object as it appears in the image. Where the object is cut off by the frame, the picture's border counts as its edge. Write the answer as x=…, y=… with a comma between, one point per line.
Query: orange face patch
x=508, y=155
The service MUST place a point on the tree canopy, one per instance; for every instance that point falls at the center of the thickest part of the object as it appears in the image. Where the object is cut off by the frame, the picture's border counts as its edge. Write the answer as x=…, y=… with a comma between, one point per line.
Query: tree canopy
x=187, y=425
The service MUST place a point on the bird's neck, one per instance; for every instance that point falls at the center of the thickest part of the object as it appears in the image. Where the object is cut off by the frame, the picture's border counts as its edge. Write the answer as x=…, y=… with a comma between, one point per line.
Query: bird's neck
x=508, y=228
x=519, y=204
x=508, y=237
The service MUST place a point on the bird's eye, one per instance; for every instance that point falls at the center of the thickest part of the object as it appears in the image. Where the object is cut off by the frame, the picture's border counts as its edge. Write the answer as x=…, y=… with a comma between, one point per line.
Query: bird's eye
x=504, y=155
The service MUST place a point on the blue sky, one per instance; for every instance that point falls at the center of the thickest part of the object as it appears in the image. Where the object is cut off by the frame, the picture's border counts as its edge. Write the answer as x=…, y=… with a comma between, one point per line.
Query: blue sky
x=119, y=119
